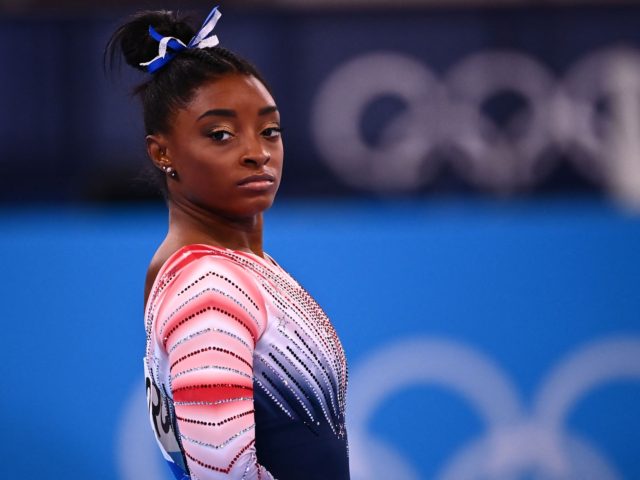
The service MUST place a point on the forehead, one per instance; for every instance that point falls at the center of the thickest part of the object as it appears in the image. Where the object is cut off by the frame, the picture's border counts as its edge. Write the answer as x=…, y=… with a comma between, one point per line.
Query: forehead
x=236, y=92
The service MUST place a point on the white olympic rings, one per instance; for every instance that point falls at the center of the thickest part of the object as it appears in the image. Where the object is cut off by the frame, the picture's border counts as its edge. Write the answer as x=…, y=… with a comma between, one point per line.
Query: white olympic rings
x=516, y=442
x=587, y=117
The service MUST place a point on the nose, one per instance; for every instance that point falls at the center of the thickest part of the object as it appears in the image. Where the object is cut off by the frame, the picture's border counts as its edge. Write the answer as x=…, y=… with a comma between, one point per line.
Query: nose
x=256, y=154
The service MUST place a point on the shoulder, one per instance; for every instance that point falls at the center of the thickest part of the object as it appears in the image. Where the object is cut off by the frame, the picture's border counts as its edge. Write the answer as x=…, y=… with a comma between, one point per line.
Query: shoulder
x=195, y=266
x=200, y=276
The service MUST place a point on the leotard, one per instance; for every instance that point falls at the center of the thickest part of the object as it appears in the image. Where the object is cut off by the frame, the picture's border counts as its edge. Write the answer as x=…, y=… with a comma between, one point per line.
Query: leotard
x=245, y=375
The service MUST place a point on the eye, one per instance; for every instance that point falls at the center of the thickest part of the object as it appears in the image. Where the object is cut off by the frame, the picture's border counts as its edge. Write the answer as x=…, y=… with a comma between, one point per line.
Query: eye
x=272, y=132
x=220, y=135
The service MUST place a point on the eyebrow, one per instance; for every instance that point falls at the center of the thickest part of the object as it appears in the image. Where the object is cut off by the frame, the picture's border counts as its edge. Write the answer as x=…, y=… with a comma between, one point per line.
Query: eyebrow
x=266, y=110
x=227, y=112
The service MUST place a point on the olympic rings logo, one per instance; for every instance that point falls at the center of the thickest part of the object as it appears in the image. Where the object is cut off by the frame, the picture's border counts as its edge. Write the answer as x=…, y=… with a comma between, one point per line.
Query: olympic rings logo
x=516, y=442
x=591, y=117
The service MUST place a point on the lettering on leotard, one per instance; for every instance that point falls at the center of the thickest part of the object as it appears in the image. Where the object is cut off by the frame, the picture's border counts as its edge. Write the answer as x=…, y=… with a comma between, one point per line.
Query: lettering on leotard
x=155, y=405
x=159, y=415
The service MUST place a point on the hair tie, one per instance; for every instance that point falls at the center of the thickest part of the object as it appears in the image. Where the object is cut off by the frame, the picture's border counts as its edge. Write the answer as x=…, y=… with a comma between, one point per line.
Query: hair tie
x=169, y=46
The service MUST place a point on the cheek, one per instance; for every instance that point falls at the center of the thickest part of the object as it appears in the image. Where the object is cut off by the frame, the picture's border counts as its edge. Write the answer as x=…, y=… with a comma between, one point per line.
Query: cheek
x=277, y=156
x=201, y=177
x=200, y=162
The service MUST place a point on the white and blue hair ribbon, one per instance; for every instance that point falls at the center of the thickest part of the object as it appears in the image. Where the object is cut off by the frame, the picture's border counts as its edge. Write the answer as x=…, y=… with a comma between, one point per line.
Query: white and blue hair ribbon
x=169, y=46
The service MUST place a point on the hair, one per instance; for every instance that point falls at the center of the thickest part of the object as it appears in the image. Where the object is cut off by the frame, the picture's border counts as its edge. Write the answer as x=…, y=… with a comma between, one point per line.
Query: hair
x=171, y=87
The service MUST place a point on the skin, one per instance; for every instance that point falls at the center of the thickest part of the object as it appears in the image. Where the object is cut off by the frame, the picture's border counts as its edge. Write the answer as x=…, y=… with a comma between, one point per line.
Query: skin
x=229, y=131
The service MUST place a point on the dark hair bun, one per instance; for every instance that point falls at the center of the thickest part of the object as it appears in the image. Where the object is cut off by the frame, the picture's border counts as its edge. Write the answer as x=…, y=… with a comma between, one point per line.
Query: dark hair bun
x=134, y=42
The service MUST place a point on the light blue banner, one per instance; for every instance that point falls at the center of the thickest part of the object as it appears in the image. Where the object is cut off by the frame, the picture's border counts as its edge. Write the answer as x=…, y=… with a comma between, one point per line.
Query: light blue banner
x=485, y=340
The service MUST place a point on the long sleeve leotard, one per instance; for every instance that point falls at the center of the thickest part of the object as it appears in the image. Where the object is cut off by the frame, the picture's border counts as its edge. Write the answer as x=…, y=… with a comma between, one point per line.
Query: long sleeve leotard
x=246, y=377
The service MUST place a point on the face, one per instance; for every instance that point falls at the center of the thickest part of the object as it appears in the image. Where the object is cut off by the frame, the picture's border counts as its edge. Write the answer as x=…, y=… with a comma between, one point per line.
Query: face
x=225, y=147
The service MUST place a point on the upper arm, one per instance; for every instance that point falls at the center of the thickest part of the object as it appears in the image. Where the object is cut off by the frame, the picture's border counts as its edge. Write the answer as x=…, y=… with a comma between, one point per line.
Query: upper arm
x=211, y=291
x=208, y=325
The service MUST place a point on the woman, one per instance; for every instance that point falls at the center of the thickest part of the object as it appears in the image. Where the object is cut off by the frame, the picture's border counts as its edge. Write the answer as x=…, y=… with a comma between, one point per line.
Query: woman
x=246, y=377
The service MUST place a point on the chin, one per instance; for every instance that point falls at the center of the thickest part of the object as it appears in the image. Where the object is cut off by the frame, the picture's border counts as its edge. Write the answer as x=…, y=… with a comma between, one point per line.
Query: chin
x=255, y=206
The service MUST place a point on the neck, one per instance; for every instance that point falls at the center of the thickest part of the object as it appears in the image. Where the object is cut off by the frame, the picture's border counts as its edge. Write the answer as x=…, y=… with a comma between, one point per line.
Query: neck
x=191, y=224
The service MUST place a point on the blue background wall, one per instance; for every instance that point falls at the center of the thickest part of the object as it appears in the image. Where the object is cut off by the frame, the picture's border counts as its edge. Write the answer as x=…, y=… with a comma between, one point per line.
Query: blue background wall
x=460, y=312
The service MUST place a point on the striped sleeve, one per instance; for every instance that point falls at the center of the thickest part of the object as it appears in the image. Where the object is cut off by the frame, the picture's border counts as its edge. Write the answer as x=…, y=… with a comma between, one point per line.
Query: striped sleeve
x=208, y=326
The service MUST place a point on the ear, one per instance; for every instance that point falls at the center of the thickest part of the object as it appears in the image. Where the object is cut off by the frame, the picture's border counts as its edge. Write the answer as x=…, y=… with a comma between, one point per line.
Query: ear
x=157, y=151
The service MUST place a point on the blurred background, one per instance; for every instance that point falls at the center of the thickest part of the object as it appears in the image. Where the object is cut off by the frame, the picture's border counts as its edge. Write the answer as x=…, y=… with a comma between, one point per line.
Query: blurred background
x=461, y=194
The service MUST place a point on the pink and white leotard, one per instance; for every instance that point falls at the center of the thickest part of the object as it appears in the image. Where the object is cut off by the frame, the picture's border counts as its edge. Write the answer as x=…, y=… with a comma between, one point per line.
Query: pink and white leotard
x=245, y=375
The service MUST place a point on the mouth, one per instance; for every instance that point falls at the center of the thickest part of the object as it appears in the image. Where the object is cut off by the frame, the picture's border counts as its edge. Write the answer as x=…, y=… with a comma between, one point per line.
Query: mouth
x=260, y=182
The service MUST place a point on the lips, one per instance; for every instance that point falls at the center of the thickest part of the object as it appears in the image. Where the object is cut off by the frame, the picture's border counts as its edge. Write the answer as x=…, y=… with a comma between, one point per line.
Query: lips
x=257, y=179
